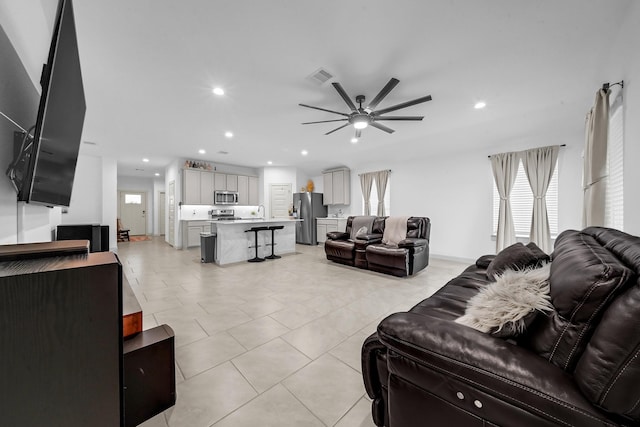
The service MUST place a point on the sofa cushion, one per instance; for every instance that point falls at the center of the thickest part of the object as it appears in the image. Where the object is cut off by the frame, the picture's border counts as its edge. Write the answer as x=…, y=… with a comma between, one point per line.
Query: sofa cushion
x=514, y=257
x=585, y=277
x=506, y=307
x=387, y=255
x=344, y=249
x=359, y=222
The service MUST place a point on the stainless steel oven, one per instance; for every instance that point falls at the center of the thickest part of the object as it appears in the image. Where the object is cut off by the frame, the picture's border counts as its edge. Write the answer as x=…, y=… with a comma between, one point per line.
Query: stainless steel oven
x=225, y=198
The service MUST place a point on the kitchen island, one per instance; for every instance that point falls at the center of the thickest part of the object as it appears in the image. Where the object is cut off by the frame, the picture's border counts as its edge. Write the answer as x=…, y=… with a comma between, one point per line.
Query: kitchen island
x=232, y=242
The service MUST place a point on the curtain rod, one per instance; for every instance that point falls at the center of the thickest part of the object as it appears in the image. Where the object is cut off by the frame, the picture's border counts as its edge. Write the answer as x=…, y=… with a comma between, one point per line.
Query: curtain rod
x=561, y=145
x=388, y=170
x=606, y=86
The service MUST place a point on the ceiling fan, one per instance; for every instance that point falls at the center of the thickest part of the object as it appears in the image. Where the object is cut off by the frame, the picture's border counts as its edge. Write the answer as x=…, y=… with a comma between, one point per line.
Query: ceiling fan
x=360, y=117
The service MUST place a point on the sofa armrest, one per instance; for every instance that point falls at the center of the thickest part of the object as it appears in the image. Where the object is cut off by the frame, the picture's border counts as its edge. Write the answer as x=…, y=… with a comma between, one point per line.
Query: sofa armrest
x=484, y=261
x=338, y=235
x=412, y=243
x=491, y=365
x=370, y=238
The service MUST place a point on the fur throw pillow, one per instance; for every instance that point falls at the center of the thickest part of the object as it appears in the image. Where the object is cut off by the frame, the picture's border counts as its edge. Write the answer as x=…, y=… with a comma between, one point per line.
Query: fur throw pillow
x=507, y=306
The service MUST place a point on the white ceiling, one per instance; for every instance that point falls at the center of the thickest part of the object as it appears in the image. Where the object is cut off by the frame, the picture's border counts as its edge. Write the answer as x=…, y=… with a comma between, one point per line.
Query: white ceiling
x=149, y=67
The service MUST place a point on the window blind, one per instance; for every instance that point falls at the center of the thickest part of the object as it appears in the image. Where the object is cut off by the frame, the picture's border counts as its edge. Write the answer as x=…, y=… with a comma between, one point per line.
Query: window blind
x=522, y=204
x=374, y=199
x=614, y=199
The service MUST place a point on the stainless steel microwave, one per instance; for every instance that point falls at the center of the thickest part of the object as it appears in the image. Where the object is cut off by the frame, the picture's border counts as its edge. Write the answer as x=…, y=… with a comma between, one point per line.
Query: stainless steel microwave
x=225, y=197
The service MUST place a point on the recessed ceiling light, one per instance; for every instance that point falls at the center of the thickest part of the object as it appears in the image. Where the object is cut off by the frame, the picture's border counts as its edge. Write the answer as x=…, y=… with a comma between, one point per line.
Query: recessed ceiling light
x=157, y=174
x=269, y=162
x=354, y=140
x=228, y=134
x=145, y=160
x=201, y=151
x=480, y=105
x=304, y=152
x=218, y=91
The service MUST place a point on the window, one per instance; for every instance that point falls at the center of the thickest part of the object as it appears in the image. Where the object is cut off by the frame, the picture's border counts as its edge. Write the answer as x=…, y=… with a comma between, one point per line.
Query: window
x=374, y=199
x=614, y=199
x=522, y=204
x=132, y=199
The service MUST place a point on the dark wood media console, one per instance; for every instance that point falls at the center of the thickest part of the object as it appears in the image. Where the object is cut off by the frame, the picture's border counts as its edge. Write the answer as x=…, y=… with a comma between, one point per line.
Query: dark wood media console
x=62, y=349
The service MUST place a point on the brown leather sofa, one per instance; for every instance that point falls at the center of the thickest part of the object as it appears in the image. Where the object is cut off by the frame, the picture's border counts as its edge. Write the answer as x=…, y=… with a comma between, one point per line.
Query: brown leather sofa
x=367, y=250
x=578, y=365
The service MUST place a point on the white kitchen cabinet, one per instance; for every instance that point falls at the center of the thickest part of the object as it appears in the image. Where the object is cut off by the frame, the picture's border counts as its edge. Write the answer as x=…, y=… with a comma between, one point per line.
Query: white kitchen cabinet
x=232, y=182
x=220, y=181
x=327, y=181
x=337, y=187
x=206, y=188
x=192, y=231
x=197, y=187
x=253, y=191
x=327, y=225
x=243, y=190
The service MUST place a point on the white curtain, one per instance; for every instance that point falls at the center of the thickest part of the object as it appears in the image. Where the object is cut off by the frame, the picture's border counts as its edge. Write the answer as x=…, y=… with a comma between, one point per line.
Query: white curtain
x=539, y=164
x=594, y=174
x=382, y=177
x=505, y=169
x=366, y=181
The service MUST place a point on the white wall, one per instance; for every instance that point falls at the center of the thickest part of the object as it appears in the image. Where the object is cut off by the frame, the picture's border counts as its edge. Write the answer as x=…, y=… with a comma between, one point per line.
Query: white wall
x=86, y=196
x=455, y=192
x=110, y=199
x=158, y=187
x=172, y=173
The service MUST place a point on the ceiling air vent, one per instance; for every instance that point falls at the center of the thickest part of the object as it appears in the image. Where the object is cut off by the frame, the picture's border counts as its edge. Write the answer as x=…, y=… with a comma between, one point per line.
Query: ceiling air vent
x=320, y=76
x=223, y=152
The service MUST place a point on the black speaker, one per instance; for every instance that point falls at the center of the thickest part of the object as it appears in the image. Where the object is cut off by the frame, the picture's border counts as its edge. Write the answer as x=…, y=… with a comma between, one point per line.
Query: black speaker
x=149, y=374
x=104, y=238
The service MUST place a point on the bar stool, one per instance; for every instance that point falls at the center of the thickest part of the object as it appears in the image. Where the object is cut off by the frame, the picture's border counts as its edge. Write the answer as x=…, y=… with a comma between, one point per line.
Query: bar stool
x=273, y=228
x=255, y=230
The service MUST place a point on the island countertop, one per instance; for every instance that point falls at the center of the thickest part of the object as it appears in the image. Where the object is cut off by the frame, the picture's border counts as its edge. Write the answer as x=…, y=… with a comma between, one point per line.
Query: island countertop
x=255, y=221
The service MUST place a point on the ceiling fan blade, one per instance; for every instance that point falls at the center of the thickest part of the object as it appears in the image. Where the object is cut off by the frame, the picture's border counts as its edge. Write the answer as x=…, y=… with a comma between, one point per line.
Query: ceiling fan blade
x=403, y=105
x=324, y=109
x=398, y=118
x=381, y=127
x=344, y=96
x=324, y=121
x=338, y=128
x=358, y=133
x=384, y=92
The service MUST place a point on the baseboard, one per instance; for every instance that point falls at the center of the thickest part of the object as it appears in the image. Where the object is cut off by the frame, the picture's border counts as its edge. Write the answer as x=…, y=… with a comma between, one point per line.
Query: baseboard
x=452, y=258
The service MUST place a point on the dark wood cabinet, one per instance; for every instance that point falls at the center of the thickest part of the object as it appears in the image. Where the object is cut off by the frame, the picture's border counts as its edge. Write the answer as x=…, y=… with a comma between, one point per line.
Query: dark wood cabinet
x=61, y=342
x=63, y=360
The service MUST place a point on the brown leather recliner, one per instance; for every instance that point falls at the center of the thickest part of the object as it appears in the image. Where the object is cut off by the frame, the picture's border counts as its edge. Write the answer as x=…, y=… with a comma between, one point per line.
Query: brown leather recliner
x=408, y=257
x=342, y=247
x=367, y=250
x=578, y=366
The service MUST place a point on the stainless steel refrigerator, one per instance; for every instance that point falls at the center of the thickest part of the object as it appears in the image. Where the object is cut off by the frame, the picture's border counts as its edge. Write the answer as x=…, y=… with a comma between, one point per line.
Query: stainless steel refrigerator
x=308, y=207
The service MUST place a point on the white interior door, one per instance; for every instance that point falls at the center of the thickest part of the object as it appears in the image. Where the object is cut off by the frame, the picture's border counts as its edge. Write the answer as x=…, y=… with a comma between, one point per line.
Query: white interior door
x=172, y=213
x=133, y=211
x=161, y=208
x=280, y=200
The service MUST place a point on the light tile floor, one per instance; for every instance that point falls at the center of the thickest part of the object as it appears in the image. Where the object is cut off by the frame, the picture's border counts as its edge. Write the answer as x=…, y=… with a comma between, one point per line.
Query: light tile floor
x=268, y=344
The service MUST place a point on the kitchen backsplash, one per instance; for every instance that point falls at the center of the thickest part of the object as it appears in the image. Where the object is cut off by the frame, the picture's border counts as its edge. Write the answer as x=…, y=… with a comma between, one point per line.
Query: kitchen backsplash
x=201, y=212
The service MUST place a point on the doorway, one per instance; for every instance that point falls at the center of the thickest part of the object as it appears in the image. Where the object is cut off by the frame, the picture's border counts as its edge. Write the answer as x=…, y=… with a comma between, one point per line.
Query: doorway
x=172, y=212
x=280, y=200
x=133, y=211
x=162, y=210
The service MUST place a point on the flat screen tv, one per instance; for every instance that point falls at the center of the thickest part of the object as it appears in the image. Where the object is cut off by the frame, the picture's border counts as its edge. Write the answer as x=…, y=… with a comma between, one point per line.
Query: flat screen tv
x=44, y=168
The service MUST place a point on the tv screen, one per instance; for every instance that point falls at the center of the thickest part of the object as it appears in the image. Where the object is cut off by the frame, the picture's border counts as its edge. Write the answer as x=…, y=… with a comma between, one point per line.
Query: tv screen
x=51, y=163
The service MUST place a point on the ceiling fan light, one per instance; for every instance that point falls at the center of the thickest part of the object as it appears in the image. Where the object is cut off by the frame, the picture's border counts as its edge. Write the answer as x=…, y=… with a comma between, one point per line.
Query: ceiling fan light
x=360, y=125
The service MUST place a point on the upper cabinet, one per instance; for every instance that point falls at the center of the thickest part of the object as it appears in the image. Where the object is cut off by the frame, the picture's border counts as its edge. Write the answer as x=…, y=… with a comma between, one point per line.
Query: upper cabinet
x=337, y=187
x=198, y=187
